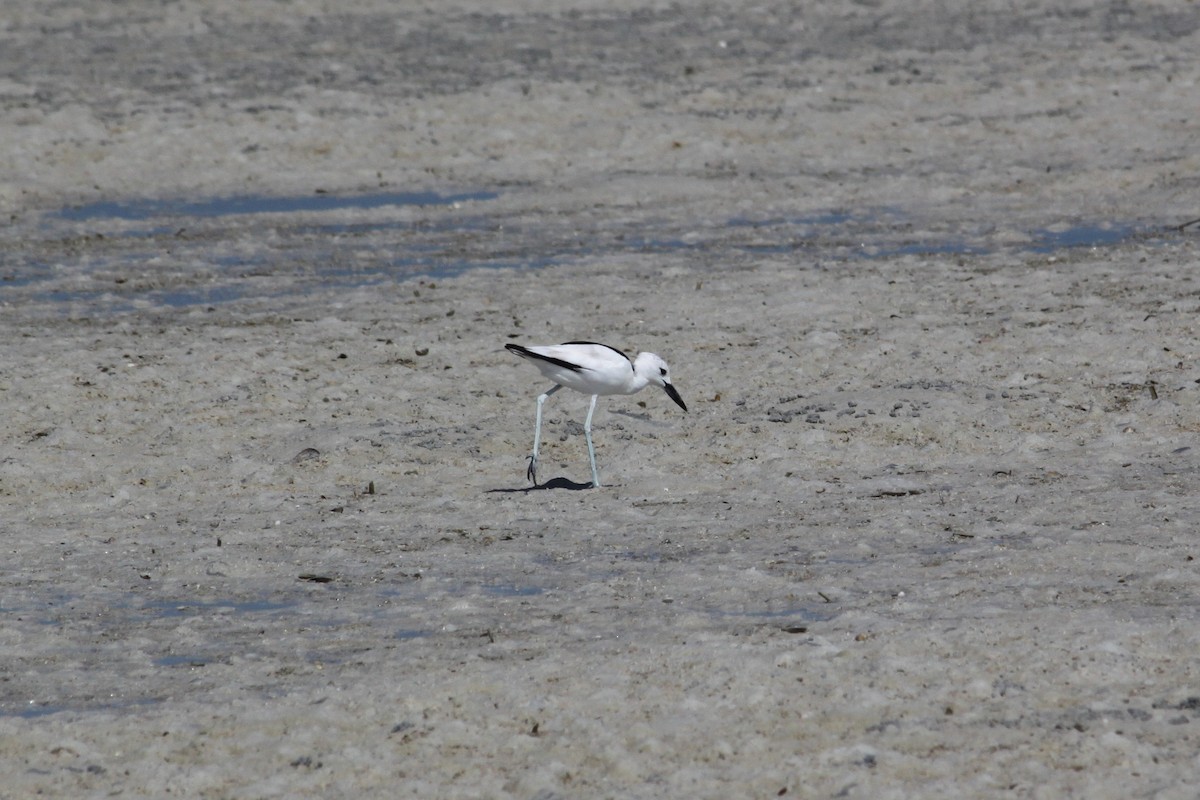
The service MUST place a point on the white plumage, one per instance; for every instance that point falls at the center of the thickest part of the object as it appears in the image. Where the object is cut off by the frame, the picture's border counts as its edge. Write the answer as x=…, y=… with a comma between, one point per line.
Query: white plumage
x=594, y=369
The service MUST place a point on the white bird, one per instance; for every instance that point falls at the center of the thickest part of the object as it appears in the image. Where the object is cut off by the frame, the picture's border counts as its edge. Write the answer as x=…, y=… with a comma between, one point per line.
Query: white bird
x=593, y=369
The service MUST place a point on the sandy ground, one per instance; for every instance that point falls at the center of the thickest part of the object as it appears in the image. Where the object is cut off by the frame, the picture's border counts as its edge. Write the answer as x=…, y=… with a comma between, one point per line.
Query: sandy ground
x=928, y=530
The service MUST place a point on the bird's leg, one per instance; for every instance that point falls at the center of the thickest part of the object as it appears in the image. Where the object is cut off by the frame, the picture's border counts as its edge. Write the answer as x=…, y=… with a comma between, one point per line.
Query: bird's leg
x=531, y=473
x=587, y=433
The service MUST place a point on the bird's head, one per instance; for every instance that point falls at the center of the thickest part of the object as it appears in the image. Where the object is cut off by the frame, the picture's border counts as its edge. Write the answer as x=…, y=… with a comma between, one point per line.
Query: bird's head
x=657, y=373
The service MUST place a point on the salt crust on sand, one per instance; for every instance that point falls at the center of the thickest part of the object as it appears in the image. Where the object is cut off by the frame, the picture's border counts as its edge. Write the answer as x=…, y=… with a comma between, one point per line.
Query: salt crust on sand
x=928, y=530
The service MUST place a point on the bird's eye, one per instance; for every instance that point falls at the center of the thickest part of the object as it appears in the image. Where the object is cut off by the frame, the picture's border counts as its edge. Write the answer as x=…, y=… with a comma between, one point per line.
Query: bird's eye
x=662, y=371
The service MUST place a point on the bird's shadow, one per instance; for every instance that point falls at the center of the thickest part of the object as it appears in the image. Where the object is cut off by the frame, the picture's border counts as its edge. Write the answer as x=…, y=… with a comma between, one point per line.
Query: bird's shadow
x=553, y=483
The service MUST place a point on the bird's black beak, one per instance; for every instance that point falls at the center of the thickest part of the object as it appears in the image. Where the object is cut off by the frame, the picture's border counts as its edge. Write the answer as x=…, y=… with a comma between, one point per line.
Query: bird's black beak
x=674, y=395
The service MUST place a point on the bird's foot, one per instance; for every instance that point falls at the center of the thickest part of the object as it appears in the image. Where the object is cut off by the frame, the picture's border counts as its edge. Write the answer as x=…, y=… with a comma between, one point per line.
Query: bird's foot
x=531, y=473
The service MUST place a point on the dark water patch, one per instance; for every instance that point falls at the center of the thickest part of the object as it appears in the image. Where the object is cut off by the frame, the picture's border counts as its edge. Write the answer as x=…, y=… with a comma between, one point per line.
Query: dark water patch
x=35, y=710
x=880, y=236
x=818, y=220
x=512, y=590
x=185, y=298
x=135, y=210
x=189, y=661
x=407, y=634
x=1087, y=235
x=178, y=265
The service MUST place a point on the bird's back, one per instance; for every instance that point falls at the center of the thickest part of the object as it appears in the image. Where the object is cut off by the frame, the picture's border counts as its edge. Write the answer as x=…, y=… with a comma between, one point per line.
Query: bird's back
x=586, y=367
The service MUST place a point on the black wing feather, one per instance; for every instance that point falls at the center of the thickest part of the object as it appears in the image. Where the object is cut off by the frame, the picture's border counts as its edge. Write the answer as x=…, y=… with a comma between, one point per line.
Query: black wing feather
x=525, y=352
x=610, y=347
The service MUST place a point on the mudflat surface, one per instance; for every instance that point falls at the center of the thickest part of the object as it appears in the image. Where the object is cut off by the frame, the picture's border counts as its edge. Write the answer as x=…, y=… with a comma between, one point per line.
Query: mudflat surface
x=922, y=274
